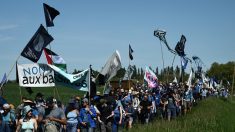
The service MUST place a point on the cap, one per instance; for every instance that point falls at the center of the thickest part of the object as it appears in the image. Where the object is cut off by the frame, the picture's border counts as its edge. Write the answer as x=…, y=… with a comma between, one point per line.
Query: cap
x=98, y=93
x=85, y=100
x=122, y=90
x=6, y=106
x=77, y=97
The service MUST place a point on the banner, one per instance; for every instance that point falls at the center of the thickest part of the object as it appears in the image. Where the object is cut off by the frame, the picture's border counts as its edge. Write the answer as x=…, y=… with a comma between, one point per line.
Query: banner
x=150, y=78
x=82, y=82
x=71, y=77
x=35, y=75
x=78, y=81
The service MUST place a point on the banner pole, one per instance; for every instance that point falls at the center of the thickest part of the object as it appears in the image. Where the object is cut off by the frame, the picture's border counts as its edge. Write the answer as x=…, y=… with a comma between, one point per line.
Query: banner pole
x=129, y=85
x=20, y=93
x=89, y=85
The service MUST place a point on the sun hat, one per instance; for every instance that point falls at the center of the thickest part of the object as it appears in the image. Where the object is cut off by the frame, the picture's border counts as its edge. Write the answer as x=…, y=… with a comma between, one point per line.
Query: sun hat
x=26, y=109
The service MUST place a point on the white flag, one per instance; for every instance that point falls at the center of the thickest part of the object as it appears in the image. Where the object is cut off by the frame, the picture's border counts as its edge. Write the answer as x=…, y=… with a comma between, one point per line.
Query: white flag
x=129, y=73
x=190, y=79
x=112, y=66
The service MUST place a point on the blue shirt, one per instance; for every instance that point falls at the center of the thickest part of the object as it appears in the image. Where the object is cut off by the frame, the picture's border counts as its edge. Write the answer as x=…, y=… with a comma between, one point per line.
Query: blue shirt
x=85, y=116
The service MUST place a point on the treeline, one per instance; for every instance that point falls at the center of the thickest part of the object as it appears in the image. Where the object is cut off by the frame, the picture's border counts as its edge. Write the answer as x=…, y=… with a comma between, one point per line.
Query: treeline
x=166, y=75
x=223, y=72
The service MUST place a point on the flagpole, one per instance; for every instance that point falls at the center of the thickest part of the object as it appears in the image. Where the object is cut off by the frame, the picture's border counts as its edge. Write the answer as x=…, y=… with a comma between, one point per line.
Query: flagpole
x=162, y=60
x=127, y=69
x=89, y=85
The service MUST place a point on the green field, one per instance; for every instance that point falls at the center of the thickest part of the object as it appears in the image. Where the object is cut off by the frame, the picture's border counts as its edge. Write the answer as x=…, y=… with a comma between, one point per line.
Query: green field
x=12, y=93
x=210, y=115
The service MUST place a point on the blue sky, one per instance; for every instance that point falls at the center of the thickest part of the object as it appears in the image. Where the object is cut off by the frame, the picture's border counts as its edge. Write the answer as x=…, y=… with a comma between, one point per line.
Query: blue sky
x=88, y=32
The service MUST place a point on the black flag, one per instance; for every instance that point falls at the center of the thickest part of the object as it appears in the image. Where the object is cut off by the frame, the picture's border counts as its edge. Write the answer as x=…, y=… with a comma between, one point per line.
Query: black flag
x=130, y=52
x=50, y=14
x=37, y=43
x=179, y=48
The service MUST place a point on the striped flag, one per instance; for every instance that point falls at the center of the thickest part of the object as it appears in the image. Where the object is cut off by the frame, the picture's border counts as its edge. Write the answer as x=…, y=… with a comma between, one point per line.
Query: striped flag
x=53, y=58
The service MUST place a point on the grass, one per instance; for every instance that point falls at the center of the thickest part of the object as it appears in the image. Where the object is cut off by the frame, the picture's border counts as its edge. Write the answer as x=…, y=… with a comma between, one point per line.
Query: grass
x=12, y=93
x=210, y=115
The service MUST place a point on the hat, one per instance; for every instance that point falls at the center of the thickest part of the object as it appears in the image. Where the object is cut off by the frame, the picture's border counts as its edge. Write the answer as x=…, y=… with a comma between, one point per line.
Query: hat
x=98, y=93
x=50, y=100
x=77, y=97
x=39, y=94
x=85, y=100
x=26, y=109
x=122, y=90
x=6, y=106
x=28, y=101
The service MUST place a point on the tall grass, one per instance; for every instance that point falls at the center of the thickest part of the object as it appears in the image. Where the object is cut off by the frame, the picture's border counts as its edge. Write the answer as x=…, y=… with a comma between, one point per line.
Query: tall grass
x=210, y=115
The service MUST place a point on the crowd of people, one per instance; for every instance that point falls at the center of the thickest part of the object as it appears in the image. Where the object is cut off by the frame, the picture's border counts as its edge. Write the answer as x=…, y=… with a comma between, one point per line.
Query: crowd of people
x=112, y=112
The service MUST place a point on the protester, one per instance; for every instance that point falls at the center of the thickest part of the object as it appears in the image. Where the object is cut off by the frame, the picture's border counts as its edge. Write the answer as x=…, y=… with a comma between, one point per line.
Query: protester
x=8, y=121
x=118, y=116
x=104, y=121
x=145, y=106
x=27, y=123
x=54, y=117
x=72, y=117
x=40, y=103
x=86, y=117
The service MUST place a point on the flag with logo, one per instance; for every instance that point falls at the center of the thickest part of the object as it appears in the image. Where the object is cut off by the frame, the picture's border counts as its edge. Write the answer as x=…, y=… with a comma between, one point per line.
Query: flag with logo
x=50, y=14
x=184, y=62
x=112, y=66
x=37, y=43
x=150, y=78
x=189, y=82
x=53, y=58
x=128, y=73
x=179, y=48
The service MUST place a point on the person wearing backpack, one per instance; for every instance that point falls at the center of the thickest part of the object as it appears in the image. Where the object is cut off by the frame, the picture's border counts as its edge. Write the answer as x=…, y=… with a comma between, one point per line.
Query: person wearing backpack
x=54, y=117
x=8, y=123
x=118, y=117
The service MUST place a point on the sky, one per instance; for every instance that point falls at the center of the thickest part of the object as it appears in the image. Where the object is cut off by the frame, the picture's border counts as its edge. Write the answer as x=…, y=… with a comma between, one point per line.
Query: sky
x=88, y=32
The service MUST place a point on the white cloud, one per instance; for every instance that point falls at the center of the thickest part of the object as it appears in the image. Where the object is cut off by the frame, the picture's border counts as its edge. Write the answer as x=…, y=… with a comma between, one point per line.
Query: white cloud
x=5, y=38
x=7, y=27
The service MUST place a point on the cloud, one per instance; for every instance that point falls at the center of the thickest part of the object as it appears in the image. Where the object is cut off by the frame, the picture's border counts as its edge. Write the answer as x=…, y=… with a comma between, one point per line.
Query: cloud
x=5, y=38
x=7, y=27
